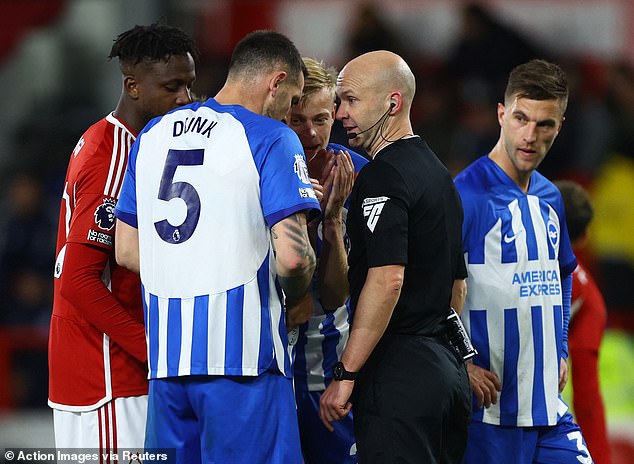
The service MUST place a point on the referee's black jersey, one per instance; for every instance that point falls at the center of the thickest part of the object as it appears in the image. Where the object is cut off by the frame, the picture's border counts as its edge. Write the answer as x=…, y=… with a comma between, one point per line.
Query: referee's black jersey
x=405, y=209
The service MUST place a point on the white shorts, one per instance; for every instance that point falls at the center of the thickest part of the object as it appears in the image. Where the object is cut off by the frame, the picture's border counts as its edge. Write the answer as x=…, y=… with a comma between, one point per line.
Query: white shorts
x=118, y=424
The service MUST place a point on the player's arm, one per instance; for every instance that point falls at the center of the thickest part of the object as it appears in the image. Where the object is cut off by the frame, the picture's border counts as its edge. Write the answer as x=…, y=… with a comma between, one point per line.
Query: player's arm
x=295, y=262
x=333, y=262
x=566, y=290
x=82, y=286
x=378, y=298
x=126, y=246
x=458, y=294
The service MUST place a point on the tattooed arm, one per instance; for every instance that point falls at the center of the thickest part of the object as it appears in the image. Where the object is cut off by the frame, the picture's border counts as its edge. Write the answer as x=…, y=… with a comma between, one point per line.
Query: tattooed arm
x=295, y=261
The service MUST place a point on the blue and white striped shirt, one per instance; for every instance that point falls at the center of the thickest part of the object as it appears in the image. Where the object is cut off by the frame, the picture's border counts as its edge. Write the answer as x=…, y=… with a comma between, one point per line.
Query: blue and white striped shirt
x=322, y=339
x=204, y=185
x=517, y=252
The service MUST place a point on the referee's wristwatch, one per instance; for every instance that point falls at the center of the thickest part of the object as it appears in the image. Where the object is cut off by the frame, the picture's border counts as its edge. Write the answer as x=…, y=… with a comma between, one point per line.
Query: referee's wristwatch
x=340, y=373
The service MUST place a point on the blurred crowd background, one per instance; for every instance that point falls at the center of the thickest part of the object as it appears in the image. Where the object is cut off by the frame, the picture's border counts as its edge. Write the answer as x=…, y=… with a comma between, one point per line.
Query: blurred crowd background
x=56, y=82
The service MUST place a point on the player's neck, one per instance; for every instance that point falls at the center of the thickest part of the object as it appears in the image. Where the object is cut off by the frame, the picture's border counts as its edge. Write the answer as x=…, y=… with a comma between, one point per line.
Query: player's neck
x=500, y=157
x=239, y=95
x=129, y=117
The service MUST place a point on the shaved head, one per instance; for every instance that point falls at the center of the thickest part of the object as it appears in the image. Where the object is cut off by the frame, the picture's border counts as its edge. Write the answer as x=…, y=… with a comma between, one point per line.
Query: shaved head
x=376, y=91
x=383, y=71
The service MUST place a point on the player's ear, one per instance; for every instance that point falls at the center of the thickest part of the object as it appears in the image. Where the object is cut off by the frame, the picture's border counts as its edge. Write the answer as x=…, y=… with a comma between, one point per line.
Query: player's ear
x=131, y=87
x=274, y=82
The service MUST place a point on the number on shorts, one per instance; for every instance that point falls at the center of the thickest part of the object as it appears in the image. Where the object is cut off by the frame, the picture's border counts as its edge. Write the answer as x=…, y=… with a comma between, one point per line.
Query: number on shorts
x=576, y=435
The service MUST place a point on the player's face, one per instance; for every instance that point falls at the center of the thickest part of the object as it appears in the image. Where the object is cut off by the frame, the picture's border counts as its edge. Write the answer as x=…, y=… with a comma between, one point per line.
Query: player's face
x=165, y=85
x=288, y=93
x=312, y=119
x=528, y=130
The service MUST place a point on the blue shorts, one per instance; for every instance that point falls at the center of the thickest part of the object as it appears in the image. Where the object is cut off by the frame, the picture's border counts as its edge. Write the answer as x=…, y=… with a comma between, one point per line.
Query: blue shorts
x=558, y=444
x=214, y=419
x=319, y=445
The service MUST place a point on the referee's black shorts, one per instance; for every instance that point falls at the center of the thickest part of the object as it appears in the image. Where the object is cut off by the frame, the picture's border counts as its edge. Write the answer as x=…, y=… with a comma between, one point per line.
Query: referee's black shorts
x=412, y=403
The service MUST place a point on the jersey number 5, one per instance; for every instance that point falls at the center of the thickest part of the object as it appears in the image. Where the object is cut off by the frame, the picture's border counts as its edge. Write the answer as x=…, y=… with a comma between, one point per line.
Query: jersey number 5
x=183, y=190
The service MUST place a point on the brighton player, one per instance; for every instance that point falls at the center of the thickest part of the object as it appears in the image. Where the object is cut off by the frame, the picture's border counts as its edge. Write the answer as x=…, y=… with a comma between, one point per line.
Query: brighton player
x=213, y=214
x=321, y=340
x=520, y=264
x=97, y=350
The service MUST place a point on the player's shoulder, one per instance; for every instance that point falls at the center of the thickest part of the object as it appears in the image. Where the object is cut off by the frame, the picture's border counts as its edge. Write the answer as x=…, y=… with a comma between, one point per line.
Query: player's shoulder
x=476, y=179
x=545, y=189
x=252, y=122
x=542, y=184
x=96, y=145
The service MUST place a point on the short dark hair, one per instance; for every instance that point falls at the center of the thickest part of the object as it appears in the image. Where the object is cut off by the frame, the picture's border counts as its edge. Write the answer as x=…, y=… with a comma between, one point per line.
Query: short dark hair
x=579, y=210
x=262, y=51
x=155, y=42
x=538, y=80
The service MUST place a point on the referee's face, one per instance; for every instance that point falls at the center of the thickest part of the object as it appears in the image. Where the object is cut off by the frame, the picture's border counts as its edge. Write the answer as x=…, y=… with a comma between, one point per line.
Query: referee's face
x=164, y=85
x=360, y=109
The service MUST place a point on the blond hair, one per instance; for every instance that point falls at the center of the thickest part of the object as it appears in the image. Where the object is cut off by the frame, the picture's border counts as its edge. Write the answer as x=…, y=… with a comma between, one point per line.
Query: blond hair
x=318, y=76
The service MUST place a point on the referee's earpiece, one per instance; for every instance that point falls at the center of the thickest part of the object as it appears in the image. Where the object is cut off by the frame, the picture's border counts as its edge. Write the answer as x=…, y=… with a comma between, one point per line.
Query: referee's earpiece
x=392, y=104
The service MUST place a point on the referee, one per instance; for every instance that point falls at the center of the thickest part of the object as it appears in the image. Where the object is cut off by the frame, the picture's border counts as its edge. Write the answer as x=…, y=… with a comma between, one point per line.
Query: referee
x=409, y=390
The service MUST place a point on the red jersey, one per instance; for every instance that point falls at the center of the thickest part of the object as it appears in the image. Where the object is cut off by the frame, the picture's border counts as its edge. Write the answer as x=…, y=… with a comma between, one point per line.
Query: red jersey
x=587, y=323
x=97, y=348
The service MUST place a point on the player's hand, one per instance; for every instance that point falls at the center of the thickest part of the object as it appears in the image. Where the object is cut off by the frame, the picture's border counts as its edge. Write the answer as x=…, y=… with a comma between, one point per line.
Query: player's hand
x=485, y=385
x=334, y=404
x=338, y=184
x=317, y=187
x=320, y=163
x=563, y=374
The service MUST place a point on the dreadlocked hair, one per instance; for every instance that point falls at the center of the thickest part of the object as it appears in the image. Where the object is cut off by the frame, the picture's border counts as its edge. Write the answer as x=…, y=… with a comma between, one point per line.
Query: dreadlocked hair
x=154, y=43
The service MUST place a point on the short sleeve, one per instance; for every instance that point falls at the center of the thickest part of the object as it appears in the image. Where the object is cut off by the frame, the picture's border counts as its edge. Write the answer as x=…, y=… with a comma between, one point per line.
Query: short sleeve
x=384, y=203
x=284, y=183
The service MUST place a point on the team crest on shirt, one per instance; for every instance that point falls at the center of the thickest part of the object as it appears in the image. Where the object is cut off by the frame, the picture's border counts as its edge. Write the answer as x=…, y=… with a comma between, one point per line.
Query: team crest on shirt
x=372, y=208
x=553, y=233
x=104, y=214
x=300, y=169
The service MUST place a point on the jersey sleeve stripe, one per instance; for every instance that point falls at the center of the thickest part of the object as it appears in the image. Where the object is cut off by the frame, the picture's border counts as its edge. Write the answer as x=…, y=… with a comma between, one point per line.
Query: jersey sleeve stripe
x=113, y=159
x=124, y=146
